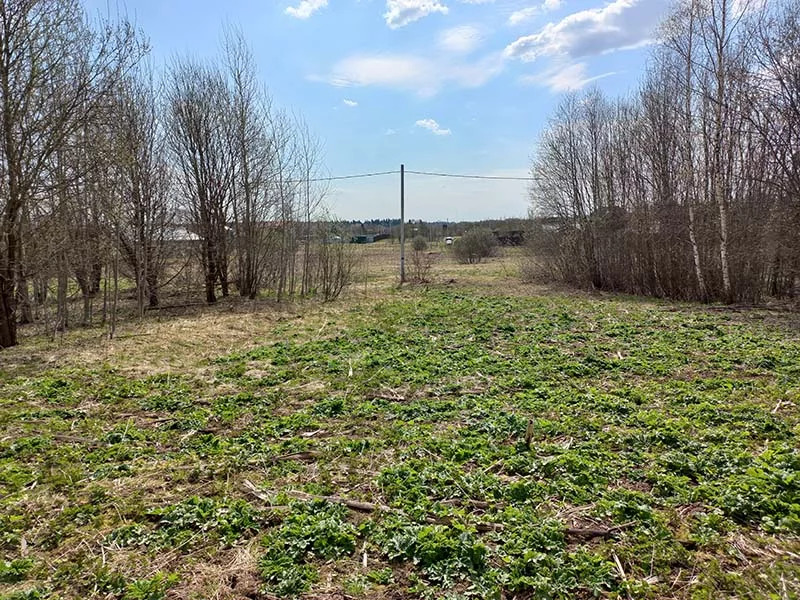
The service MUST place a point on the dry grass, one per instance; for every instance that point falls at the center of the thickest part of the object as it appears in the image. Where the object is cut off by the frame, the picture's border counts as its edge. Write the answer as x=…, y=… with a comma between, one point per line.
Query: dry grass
x=186, y=337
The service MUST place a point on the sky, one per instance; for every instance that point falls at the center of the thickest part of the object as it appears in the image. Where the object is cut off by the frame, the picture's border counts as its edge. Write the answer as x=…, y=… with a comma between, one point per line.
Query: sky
x=457, y=86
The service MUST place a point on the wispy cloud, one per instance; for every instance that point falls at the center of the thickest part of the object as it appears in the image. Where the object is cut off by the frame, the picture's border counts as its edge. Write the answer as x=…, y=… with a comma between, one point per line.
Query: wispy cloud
x=460, y=40
x=400, y=13
x=620, y=24
x=410, y=72
x=562, y=78
x=350, y=103
x=432, y=126
x=306, y=8
x=526, y=14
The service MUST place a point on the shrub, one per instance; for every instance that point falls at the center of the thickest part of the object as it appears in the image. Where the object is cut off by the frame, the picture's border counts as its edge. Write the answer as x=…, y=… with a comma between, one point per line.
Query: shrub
x=474, y=245
x=421, y=259
x=335, y=264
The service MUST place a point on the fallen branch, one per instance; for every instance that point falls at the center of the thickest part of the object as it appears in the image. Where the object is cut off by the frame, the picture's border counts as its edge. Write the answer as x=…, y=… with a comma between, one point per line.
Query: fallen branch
x=594, y=532
x=308, y=455
x=175, y=306
x=352, y=504
x=479, y=504
x=388, y=397
x=76, y=440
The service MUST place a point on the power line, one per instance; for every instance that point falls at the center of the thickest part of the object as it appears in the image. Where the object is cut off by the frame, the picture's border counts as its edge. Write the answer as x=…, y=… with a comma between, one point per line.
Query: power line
x=461, y=176
x=338, y=177
x=425, y=173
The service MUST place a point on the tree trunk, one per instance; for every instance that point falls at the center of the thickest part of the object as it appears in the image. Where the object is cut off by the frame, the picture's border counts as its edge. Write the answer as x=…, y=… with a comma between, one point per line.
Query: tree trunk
x=698, y=269
x=152, y=288
x=62, y=311
x=717, y=182
x=24, y=309
x=8, y=322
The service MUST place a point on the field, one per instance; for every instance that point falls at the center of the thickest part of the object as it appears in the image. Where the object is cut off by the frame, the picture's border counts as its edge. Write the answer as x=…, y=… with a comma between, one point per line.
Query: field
x=474, y=437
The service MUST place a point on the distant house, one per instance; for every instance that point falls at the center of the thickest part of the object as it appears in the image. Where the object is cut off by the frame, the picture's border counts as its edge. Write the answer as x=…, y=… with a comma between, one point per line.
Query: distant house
x=514, y=237
x=368, y=238
x=178, y=240
x=180, y=235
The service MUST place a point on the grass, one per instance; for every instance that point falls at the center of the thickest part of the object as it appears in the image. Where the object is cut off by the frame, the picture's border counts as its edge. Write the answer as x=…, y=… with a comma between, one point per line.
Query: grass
x=204, y=456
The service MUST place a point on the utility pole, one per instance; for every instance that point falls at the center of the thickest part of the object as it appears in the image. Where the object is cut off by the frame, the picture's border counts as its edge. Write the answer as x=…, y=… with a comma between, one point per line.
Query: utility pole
x=402, y=223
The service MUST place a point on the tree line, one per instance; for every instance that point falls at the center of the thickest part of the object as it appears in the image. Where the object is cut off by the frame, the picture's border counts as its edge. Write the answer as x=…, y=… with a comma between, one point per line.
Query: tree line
x=115, y=174
x=690, y=187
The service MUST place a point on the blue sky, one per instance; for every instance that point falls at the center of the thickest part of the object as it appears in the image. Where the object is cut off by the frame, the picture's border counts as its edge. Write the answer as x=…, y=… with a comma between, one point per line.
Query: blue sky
x=461, y=86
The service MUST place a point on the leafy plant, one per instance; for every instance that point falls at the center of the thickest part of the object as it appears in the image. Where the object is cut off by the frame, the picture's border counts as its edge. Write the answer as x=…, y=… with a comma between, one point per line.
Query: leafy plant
x=153, y=588
x=12, y=571
x=312, y=530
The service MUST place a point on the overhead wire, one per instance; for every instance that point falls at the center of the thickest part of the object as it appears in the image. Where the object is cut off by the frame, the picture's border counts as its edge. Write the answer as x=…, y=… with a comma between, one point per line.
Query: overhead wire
x=411, y=172
x=338, y=177
x=463, y=176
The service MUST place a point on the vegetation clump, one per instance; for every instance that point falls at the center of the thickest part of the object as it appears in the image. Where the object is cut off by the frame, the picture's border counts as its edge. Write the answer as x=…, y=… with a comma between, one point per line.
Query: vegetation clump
x=474, y=246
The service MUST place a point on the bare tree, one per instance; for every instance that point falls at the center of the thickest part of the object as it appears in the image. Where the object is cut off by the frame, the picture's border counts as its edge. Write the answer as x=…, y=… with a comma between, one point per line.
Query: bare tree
x=139, y=208
x=254, y=155
x=197, y=105
x=687, y=189
x=284, y=186
x=312, y=194
x=55, y=73
x=775, y=114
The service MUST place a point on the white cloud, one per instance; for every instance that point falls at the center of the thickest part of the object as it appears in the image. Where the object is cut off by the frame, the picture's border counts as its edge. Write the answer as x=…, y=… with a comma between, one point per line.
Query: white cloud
x=398, y=71
x=306, y=8
x=402, y=12
x=526, y=14
x=432, y=126
x=350, y=103
x=423, y=75
x=460, y=40
x=619, y=25
x=390, y=132
x=562, y=78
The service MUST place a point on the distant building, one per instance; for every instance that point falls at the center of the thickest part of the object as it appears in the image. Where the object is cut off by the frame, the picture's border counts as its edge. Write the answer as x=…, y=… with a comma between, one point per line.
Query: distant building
x=180, y=235
x=514, y=237
x=178, y=241
x=368, y=238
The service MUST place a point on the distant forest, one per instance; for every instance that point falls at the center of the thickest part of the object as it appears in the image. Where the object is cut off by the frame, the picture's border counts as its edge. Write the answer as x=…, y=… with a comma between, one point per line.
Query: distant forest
x=432, y=230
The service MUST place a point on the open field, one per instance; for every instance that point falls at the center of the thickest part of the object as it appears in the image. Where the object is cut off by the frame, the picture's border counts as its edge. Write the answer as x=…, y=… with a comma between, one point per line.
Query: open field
x=376, y=448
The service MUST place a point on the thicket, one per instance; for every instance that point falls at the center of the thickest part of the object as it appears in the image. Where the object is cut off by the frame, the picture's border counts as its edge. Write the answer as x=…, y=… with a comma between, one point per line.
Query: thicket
x=690, y=188
x=115, y=182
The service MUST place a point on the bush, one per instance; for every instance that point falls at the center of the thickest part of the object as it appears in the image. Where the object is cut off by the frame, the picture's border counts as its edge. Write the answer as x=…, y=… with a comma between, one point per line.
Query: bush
x=333, y=263
x=421, y=259
x=474, y=245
